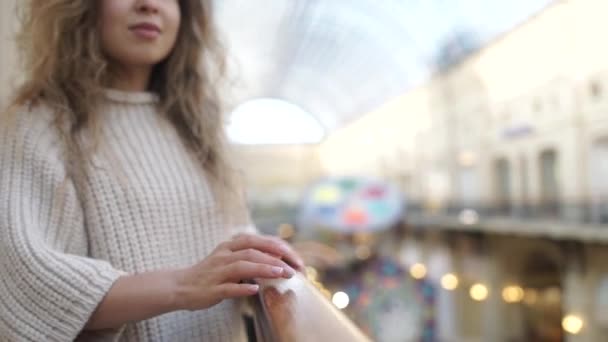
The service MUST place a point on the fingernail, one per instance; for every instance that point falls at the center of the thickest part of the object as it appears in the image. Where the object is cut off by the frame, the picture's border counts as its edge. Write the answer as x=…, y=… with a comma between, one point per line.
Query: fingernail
x=284, y=249
x=254, y=287
x=289, y=272
x=277, y=270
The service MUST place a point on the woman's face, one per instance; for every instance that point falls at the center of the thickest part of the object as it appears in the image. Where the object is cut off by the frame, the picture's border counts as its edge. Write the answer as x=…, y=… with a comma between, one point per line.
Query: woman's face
x=139, y=33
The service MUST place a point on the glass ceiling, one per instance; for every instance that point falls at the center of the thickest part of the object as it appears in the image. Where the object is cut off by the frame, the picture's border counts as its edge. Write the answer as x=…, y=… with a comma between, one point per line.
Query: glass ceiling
x=338, y=59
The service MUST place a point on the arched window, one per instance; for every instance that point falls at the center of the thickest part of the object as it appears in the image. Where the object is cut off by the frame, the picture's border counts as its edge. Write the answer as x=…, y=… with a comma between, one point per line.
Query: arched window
x=269, y=121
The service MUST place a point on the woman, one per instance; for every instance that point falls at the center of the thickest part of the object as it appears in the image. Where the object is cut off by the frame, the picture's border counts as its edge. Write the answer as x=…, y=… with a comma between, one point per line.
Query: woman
x=117, y=201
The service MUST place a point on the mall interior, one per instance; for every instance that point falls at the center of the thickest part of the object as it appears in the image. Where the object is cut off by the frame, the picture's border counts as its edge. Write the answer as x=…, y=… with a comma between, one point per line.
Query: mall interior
x=441, y=166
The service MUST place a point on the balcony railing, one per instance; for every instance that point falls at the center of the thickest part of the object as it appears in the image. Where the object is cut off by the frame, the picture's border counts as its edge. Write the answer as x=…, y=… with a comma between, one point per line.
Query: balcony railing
x=580, y=212
x=582, y=221
x=294, y=311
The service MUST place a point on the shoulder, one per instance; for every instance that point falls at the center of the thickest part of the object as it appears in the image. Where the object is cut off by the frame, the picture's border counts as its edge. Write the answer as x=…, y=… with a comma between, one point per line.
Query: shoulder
x=29, y=130
x=19, y=119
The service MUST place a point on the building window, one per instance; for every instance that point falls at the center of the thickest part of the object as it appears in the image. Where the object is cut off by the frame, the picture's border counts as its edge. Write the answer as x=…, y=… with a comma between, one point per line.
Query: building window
x=595, y=88
x=598, y=181
x=549, y=182
x=523, y=178
x=502, y=185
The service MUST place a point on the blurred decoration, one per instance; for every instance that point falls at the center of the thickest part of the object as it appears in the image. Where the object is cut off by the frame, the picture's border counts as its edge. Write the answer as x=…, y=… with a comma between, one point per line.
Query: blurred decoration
x=513, y=294
x=362, y=238
x=363, y=252
x=572, y=324
x=340, y=300
x=389, y=305
x=351, y=205
x=327, y=195
x=286, y=231
x=449, y=281
x=418, y=271
x=479, y=292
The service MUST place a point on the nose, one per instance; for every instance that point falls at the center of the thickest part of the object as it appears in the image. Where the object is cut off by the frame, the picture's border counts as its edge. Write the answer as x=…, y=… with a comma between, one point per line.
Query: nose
x=147, y=6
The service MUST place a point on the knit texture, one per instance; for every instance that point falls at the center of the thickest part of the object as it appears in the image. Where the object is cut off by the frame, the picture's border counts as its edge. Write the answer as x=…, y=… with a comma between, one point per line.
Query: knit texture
x=146, y=206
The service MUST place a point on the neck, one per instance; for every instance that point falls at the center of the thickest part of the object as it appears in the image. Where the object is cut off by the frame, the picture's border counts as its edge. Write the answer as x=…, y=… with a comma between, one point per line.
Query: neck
x=132, y=78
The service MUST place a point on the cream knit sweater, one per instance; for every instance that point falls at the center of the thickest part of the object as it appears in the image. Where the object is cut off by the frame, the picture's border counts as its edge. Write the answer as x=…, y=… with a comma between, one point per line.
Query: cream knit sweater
x=145, y=207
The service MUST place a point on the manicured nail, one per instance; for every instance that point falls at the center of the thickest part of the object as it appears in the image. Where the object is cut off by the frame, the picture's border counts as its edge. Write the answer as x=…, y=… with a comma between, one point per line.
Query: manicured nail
x=288, y=272
x=284, y=249
x=277, y=270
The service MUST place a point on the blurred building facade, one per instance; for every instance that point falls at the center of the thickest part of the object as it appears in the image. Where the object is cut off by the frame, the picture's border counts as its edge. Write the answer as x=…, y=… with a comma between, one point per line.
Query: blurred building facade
x=530, y=107
x=503, y=160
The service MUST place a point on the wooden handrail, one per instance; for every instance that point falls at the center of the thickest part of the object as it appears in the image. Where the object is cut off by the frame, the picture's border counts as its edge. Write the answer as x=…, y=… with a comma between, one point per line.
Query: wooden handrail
x=294, y=310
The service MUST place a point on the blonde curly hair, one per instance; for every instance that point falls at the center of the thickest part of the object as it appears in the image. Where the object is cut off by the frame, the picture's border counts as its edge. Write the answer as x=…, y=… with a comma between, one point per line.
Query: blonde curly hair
x=66, y=70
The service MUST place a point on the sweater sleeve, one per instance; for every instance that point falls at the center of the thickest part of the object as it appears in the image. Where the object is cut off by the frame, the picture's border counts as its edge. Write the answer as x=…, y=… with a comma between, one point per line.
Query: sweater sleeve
x=48, y=287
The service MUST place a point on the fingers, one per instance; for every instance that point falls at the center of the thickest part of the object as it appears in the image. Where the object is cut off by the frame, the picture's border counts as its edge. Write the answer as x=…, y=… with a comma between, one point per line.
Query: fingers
x=242, y=269
x=256, y=256
x=268, y=245
x=262, y=243
x=234, y=290
x=292, y=257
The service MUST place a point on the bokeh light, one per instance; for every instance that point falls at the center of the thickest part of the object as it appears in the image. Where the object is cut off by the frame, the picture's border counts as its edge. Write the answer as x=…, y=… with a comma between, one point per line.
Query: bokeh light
x=340, y=299
x=449, y=281
x=418, y=271
x=479, y=292
x=572, y=324
x=513, y=294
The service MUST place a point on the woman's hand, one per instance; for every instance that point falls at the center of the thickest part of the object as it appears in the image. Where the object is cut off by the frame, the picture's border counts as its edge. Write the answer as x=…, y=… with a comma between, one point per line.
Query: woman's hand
x=141, y=296
x=221, y=274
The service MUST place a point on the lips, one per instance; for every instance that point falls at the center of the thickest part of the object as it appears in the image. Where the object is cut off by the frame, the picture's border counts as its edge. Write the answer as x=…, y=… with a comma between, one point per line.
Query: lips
x=146, y=30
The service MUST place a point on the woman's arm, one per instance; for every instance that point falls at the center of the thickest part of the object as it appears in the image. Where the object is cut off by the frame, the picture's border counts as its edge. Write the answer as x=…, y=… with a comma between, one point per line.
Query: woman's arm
x=134, y=298
x=138, y=297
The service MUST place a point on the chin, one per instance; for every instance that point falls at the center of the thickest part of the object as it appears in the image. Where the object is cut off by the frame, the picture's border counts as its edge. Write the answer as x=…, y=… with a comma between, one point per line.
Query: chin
x=149, y=58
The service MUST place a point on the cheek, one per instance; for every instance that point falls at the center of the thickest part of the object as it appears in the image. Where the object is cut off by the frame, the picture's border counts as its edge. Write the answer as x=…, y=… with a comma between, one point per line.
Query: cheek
x=111, y=12
x=110, y=40
x=174, y=21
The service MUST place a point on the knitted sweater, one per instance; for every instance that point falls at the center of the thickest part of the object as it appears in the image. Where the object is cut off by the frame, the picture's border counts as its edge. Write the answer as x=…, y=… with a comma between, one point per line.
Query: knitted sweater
x=146, y=206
